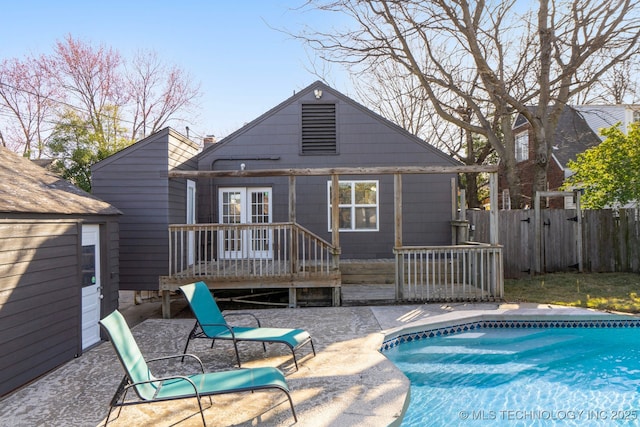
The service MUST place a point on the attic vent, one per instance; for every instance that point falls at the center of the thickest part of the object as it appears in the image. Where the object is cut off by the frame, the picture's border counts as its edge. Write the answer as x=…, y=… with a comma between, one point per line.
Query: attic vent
x=319, y=129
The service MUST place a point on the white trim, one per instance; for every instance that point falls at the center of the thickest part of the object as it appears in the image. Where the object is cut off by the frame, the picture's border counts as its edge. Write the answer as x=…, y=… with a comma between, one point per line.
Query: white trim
x=244, y=245
x=353, y=207
x=91, y=293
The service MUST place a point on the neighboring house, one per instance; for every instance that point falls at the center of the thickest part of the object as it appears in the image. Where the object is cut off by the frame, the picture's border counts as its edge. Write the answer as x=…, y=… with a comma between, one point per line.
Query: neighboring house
x=573, y=136
x=58, y=270
x=317, y=127
x=604, y=116
x=136, y=181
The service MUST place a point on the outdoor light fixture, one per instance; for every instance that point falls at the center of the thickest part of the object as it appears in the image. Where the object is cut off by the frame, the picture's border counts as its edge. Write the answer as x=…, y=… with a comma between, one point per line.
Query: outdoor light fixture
x=318, y=93
x=242, y=166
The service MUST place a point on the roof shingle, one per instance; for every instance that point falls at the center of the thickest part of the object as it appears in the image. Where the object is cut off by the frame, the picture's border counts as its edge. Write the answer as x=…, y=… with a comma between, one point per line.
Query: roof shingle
x=28, y=188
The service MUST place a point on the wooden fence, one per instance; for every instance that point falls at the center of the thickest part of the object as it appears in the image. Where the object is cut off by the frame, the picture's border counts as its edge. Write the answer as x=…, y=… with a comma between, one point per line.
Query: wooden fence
x=602, y=241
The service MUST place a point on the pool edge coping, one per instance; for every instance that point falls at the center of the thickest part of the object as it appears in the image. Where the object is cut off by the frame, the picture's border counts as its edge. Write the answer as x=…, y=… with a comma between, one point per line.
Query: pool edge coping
x=532, y=318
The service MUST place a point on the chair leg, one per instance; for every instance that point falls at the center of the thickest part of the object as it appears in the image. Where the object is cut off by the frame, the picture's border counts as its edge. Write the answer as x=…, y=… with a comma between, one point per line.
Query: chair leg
x=235, y=347
x=191, y=335
x=204, y=423
x=108, y=415
x=121, y=393
x=293, y=351
x=293, y=411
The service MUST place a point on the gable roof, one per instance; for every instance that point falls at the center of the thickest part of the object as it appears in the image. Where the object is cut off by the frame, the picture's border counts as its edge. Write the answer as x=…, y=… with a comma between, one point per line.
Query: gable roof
x=573, y=135
x=318, y=85
x=150, y=139
x=28, y=188
x=605, y=116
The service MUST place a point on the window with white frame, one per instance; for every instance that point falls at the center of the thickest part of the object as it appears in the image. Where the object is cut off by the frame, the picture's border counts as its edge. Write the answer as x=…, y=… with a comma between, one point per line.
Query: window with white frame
x=522, y=147
x=358, y=205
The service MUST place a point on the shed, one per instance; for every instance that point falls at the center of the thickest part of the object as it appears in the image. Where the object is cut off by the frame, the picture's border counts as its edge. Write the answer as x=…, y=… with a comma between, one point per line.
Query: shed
x=58, y=269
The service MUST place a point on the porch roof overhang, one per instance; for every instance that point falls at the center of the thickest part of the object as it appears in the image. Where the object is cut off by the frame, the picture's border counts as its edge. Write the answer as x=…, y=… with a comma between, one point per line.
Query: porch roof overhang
x=397, y=171
x=374, y=170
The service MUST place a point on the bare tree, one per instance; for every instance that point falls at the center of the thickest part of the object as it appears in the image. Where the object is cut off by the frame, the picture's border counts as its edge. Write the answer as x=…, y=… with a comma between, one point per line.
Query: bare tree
x=399, y=96
x=159, y=92
x=27, y=93
x=91, y=80
x=619, y=85
x=489, y=58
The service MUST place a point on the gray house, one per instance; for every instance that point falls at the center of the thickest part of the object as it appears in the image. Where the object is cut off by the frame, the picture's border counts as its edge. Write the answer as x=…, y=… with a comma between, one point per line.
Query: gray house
x=321, y=128
x=58, y=270
x=135, y=180
x=205, y=216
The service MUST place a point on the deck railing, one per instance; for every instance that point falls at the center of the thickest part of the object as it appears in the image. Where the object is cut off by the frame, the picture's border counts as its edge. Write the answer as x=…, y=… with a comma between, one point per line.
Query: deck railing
x=246, y=252
x=470, y=272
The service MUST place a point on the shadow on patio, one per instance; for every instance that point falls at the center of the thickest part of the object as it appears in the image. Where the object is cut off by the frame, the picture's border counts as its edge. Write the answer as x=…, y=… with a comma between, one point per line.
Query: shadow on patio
x=348, y=383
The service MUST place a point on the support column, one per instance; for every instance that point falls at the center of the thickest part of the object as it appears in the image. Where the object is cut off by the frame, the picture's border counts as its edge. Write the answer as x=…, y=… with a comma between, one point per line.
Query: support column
x=397, y=207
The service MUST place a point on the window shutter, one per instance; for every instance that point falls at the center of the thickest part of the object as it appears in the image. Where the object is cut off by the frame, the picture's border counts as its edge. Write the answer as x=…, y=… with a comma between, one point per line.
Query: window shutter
x=319, y=129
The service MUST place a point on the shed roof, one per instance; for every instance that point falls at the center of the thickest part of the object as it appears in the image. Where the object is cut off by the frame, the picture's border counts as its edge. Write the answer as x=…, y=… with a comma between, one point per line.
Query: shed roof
x=28, y=188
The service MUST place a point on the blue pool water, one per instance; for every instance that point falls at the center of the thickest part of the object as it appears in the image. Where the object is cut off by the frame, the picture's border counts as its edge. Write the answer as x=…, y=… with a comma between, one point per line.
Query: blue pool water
x=523, y=377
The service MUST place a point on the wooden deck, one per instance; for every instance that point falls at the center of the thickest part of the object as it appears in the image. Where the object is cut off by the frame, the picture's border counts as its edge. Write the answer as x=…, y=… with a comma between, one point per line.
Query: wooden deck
x=385, y=294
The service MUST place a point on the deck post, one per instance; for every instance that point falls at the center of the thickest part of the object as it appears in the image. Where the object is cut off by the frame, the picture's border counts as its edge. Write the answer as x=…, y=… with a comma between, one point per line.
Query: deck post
x=166, y=305
x=493, y=208
x=397, y=206
x=293, y=297
x=335, y=218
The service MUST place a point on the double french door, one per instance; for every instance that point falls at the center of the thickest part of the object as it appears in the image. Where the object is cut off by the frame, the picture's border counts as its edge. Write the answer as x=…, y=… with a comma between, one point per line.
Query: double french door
x=245, y=205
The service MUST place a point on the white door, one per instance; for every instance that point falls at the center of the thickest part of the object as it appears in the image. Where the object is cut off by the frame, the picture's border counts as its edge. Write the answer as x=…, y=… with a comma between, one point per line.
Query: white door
x=245, y=206
x=91, y=288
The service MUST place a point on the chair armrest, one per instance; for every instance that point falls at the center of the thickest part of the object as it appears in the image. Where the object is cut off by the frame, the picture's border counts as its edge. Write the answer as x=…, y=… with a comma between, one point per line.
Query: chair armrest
x=174, y=377
x=244, y=314
x=175, y=356
x=226, y=325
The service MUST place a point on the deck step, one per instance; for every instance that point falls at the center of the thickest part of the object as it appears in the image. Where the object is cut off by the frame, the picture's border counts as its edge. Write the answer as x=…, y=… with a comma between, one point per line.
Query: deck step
x=368, y=271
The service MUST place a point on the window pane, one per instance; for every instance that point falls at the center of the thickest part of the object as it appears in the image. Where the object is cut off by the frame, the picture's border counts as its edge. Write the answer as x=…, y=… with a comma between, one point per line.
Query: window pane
x=365, y=193
x=366, y=218
x=345, y=218
x=345, y=193
x=358, y=208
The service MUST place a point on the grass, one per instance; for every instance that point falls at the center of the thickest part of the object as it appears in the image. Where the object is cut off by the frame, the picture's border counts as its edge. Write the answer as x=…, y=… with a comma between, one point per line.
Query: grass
x=602, y=291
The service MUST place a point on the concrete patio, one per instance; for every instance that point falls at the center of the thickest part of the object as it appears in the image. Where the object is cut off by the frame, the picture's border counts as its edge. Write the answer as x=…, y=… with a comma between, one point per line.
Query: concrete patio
x=348, y=383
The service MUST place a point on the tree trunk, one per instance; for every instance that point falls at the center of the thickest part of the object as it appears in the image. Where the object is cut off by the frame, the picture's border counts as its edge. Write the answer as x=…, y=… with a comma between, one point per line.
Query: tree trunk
x=513, y=183
x=542, y=151
x=471, y=188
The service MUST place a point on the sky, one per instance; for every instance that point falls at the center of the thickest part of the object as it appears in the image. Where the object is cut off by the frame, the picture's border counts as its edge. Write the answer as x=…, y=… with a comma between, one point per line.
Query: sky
x=232, y=48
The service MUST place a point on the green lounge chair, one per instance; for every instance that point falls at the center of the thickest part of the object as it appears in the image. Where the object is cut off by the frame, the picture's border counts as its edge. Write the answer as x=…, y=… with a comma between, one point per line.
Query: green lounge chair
x=151, y=389
x=211, y=324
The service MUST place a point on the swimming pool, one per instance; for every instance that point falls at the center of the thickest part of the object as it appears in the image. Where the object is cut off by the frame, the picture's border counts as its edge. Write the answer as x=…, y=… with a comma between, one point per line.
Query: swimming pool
x=522, y=373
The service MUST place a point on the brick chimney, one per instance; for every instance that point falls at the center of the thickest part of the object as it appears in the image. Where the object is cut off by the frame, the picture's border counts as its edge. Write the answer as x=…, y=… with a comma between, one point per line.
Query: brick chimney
x=208, y=141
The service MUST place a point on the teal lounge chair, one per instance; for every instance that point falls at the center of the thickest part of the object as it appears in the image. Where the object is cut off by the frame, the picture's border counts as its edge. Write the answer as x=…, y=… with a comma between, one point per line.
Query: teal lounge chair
x=151, y=389
x=211, y=324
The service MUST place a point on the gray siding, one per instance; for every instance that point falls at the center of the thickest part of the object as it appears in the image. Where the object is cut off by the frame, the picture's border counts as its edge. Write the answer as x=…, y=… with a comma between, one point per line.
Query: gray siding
x=363, y=139
x=136, y=182
x=40, y=292
x=110, y=268
x=40, y=295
